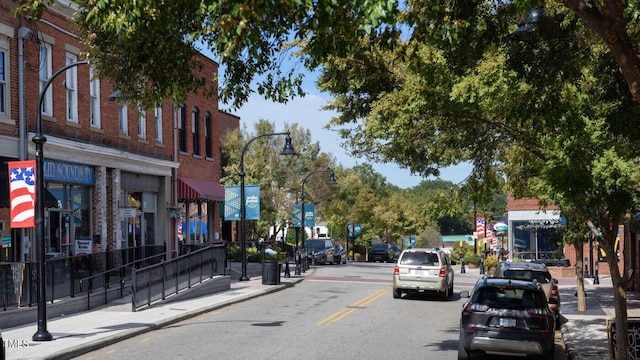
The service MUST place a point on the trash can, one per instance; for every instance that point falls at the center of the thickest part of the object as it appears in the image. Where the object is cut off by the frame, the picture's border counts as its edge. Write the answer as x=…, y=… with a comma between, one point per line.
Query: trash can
x=270, y=272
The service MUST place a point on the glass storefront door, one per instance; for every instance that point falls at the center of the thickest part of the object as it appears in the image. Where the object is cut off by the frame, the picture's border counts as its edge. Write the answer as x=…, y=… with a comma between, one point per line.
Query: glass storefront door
x=59, y=234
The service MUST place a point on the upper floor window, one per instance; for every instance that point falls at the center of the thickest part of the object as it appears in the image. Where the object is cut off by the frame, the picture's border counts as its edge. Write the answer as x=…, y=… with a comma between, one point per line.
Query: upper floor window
x=4, y=75
x=182, y=136
x=94, y=99
x=157, y=119
x=142, y=123
x=195, y=130
x=208, y=146
x=122, y=119
x=44, y=74
x=71, y=84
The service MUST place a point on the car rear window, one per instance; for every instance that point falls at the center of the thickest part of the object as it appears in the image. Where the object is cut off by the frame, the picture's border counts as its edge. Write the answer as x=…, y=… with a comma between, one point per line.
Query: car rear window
x=528, y=275
x=509, y=298
x=420, y=258
x=380, y=247
x=312, y=244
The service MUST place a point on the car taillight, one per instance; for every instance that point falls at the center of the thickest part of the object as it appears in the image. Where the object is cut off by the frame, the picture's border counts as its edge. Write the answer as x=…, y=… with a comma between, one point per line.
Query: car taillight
x=477, y=307
x=554, y=291
x=537, y=312
x=396, y=270
x=442, y=273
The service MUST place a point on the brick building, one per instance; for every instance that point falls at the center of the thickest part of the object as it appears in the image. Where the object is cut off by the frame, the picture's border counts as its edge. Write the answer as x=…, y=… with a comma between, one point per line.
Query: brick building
x=116, y=176
x=530, y=229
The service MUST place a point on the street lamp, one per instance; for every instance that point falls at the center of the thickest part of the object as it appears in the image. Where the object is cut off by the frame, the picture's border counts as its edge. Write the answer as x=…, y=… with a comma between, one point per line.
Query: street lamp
x=287, y=150
x=331, y=181
x=39, y=139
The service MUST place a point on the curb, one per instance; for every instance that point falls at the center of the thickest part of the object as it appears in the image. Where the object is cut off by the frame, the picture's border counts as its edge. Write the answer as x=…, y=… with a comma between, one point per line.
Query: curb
x=569, y=347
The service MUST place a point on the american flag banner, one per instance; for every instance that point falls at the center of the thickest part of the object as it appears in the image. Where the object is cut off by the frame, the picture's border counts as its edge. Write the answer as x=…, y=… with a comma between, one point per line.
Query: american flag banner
x=480, y=223
x=22, y=193
x=493, y=239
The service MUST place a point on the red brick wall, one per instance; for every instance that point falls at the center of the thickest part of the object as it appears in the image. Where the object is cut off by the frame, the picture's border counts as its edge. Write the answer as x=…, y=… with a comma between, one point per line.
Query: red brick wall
x=525, y=204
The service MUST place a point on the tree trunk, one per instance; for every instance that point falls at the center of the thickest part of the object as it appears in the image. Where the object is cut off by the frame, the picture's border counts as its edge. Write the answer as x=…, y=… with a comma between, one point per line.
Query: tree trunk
x=582, y=300
x=619, y=293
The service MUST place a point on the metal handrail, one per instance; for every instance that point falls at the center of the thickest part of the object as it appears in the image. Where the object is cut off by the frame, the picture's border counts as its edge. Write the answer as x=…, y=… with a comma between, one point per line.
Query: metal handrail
x=107, y=284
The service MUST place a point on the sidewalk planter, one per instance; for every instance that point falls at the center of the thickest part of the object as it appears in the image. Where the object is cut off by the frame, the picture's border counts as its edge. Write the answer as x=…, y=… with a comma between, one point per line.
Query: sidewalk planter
x=271, y=272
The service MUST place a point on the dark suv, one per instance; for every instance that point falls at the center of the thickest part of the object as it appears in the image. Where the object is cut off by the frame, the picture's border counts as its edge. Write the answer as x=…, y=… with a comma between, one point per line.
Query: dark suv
x=381, y=252
x=530, y=271
x=506, y=317
x=321, y=251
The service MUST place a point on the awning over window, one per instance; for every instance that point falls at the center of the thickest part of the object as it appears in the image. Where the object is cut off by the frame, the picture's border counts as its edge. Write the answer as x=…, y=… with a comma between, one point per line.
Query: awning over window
x=194, y=189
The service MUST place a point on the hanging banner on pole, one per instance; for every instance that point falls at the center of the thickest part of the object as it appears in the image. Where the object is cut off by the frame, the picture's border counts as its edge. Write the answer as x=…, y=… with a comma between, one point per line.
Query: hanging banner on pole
x=252, y=202
x=295, y=215
x=309, y=215
x=22, y=193
x=232, y=202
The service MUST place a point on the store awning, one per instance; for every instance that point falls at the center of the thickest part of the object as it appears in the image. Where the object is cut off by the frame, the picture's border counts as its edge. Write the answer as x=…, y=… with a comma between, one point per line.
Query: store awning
x=195, y=189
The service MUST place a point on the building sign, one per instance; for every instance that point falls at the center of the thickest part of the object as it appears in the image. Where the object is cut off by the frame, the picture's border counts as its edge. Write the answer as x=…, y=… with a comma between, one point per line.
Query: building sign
x=68, y=173
x=83, y=246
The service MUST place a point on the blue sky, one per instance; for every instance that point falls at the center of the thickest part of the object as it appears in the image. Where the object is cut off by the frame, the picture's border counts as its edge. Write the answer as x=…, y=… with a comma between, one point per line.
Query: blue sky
x=307, y=112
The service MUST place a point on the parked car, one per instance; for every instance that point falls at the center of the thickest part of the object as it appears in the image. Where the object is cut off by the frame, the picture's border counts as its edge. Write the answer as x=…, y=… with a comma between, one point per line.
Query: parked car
x=340, y=254
x=396, y=253
x=380, y=252
x=530, y=271
x=506, y=317
x=320, y=251
x=423, y=270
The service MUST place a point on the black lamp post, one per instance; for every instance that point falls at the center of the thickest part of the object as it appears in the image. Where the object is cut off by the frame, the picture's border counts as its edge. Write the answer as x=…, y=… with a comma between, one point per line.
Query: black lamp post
x=39, y=139
x=287, y=150
x=331, y=181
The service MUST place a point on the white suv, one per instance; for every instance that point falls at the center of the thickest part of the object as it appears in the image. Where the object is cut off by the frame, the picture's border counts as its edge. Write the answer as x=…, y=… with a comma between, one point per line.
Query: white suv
x=423, y=270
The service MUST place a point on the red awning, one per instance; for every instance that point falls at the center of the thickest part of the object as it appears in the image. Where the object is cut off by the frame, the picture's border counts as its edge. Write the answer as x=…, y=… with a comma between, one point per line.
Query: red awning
x=195, y=189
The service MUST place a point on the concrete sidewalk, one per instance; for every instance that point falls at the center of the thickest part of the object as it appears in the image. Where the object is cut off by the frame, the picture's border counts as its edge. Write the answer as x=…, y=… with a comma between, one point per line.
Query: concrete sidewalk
x=80, y=333
x=585, y=333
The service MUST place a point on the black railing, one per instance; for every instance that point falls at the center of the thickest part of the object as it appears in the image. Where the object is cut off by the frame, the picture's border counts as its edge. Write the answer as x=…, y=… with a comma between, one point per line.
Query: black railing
x=18, y=282
x=111, y=278
x=156, y=282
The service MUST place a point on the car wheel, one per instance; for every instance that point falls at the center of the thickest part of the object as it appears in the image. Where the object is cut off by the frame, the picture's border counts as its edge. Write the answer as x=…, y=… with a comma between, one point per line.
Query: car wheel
x=550, y=355
x=463, y=354
x=445, y=294
x=397, y=294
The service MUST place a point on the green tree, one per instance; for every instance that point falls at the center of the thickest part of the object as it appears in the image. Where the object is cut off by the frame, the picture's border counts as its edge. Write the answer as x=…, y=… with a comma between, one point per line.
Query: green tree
x=556, y=129
x=264, y=166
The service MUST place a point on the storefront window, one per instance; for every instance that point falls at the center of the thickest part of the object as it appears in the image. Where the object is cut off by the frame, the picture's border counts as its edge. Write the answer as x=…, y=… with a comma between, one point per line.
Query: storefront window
x=532, y=239
x=69, y=219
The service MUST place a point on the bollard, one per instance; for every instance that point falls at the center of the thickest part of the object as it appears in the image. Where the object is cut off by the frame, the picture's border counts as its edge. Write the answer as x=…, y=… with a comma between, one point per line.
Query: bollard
x=481, y=267
x=596, y=279
x=287, y=272
x=462, y=269
x=586, y=269
x=298, y=265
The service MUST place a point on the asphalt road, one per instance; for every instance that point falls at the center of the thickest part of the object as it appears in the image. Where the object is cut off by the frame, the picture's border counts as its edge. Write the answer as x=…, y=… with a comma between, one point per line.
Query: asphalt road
x=339, y=312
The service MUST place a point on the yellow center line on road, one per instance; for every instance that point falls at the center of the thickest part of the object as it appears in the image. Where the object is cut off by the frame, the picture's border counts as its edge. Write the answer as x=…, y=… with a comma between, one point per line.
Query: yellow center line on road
x=341, y=314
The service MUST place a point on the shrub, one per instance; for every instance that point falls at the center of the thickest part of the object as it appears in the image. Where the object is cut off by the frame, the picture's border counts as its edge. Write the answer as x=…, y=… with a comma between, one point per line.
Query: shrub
x=470, y=257
x=490, y=261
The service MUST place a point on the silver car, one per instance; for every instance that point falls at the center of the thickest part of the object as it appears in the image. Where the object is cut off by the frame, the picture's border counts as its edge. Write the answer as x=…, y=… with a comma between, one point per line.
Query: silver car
x=423, y=270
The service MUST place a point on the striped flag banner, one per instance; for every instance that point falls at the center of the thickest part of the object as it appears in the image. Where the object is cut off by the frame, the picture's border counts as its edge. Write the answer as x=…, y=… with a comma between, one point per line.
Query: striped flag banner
x=493, y=239
x=22, y=193
x=480, y=223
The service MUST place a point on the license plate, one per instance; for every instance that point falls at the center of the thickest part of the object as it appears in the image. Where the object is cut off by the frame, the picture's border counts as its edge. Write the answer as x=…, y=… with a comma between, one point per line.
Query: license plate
x=506, y=322
x=418, y=272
